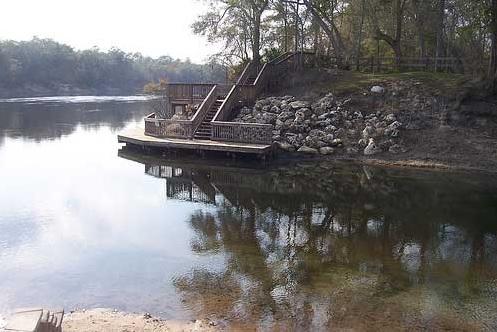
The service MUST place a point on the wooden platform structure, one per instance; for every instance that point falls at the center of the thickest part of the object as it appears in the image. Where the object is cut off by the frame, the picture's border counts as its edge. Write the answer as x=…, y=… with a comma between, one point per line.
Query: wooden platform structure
x=138, y=138
x=35, y=320
x=211, y=127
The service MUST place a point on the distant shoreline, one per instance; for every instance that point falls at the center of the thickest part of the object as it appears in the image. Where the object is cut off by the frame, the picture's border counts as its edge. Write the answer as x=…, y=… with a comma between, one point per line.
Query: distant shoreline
x=64, y=91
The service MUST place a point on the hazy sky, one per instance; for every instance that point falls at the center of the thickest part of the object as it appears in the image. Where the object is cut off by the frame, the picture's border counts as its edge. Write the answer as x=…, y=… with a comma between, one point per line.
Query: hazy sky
x=152, y=27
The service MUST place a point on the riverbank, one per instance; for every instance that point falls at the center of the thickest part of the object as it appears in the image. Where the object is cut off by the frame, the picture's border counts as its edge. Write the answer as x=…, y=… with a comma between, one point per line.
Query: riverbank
x=409, y=119
x=105, y=320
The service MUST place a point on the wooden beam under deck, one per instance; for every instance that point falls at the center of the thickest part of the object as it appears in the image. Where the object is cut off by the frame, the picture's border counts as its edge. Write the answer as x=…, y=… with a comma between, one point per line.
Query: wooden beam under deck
x=138, y=138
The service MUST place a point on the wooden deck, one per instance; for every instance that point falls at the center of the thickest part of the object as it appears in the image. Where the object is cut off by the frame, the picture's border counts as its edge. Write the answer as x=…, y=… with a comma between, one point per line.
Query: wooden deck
x=138, y=138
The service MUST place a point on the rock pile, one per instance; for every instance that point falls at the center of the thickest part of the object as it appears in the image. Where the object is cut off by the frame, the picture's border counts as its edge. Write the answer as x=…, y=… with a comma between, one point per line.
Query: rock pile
x=325, y=126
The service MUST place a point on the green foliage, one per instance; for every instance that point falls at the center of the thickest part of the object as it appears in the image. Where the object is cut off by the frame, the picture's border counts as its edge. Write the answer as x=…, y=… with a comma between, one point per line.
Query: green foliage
x=46, y=63
x=271, y=54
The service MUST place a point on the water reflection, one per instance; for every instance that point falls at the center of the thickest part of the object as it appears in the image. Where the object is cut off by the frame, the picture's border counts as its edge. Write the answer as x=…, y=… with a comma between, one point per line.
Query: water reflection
x=49, y=118
x=323, y=246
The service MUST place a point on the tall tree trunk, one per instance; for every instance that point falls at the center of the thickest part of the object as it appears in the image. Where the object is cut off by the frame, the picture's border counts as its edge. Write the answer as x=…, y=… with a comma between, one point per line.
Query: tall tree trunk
x=440, y=30
x=394, y=42
x=256, y=43
x=492, y=69
x=330, y=32
x=419, y=8
x=398, y=31
x=359, y=40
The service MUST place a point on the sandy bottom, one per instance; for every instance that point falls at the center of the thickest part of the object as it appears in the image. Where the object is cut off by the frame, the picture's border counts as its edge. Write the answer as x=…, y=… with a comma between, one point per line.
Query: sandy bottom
x=106, y=320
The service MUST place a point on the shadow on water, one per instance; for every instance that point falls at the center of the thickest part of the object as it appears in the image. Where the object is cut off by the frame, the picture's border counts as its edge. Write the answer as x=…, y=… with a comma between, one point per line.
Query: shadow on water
x=327, y=245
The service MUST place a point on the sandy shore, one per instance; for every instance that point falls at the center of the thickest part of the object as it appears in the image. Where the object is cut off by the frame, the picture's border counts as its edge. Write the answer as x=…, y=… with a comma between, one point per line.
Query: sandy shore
x=107, y=320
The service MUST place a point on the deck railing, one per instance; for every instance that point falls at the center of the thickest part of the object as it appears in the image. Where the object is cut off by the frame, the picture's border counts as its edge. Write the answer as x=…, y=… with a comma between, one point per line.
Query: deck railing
x=168, y=127
x=188, y=92
x=180, y=128
x=385, y=64
x=240, y=132
x=237, y=95
x=204, y=108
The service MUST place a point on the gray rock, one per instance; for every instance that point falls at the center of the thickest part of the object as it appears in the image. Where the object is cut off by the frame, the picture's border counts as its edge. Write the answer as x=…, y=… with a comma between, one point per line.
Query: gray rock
x=285, y=115
x=326, y=150
x=368, y=132
x=286, y=147
x=307, y=150
x=299, y=104
x=378, y=89
x=395, y=125
x=340, y=132
x=362, y=143
x=371, y=149
x=330, y=129
x=352, y=150
x=390, y=117
x=329, y=138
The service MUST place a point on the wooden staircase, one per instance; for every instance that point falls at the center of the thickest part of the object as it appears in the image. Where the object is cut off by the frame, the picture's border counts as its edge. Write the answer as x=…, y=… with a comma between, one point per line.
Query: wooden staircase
x=204, y=131
x=251, y=79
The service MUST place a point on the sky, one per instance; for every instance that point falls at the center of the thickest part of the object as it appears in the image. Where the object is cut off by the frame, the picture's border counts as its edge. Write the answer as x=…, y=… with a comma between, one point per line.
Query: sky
x=151, y=27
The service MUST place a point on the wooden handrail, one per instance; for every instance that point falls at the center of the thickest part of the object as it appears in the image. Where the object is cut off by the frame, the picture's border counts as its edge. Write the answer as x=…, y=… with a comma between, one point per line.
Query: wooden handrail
x=245, y=73
x=221, y=128
x=226, y=103
x=204, y=108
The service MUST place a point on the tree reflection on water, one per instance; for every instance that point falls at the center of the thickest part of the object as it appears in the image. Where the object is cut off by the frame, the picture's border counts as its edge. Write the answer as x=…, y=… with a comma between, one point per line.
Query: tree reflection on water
x=318, y=246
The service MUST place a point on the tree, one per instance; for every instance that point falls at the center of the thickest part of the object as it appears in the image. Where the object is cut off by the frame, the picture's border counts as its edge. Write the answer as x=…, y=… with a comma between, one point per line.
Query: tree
x=324, y=12
x=492, y=72
x=237, y=23
x=53, y=66
x=395, y=41
x=440, y=31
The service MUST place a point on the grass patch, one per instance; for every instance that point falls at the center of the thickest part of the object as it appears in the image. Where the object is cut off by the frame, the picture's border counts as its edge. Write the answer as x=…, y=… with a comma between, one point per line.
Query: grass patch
x=353, y=82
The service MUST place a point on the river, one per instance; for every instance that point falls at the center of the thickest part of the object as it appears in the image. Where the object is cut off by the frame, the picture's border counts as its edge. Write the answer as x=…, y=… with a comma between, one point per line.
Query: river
x=301, y=245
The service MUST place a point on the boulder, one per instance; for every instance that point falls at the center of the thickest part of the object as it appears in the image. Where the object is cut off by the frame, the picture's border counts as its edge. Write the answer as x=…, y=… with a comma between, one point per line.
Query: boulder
x=329, y=138
x=378, y=89
x=326, y=150
x=307, y=150
x=362, y=143
x=340, y=132
x=285, y=115
x=371, y=149
x=390, y=118
x=395, y=125
x=286, y=147
x=299, y=104
x=368, y=132
x=352, y=150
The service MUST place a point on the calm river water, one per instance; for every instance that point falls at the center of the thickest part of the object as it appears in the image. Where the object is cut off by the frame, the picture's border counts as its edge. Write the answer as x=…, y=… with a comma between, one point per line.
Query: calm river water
x=309, y=246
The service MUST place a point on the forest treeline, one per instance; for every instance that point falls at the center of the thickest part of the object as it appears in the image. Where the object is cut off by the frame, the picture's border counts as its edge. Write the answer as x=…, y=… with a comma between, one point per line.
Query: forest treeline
x=44, y=66
x=349, y=29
